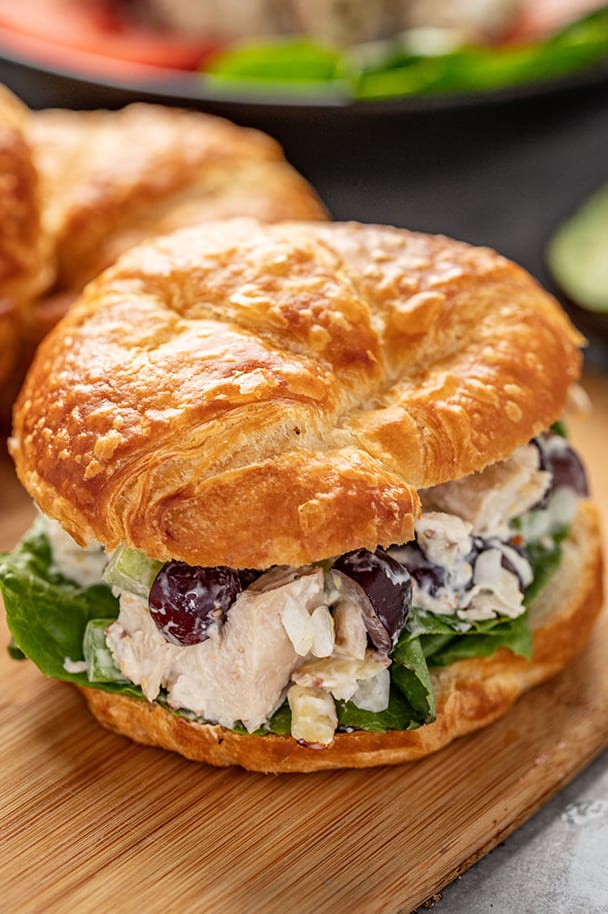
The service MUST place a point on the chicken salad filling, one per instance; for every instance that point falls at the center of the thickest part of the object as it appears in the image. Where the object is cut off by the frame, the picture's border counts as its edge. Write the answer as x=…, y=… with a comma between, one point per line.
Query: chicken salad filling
x=338, y=645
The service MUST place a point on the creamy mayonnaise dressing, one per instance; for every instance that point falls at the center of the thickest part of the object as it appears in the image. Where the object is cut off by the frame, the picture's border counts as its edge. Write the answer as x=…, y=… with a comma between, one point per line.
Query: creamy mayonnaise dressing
x=295, y=634
x=475, y=586
x=240, y=673
x=83, y=566
x=243, y=670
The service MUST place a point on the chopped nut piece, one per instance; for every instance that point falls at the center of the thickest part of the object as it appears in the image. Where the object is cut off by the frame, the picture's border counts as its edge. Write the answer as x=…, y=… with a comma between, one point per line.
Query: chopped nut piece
x=313, y=715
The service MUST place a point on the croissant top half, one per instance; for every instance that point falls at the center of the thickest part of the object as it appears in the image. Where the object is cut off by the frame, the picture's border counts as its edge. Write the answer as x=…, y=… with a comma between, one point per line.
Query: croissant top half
x=246, y=395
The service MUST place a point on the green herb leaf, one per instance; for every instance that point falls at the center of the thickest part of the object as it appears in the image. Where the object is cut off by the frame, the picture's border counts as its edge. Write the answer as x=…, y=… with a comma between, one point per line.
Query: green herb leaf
x=559, y=428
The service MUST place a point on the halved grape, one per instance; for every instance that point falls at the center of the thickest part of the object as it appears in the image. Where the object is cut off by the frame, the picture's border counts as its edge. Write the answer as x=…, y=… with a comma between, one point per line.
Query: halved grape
x=428, y=576
x=387, y=591
x=568, y=471
x=185, y=600
x=563, y=463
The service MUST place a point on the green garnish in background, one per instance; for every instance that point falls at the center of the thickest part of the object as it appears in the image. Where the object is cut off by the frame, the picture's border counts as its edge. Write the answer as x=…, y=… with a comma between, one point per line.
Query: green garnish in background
x=577, y=254
x=395, y=70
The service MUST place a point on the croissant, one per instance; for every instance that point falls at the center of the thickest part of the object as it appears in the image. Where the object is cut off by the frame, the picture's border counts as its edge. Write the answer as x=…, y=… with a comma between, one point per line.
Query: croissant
x=83, y=186
x=113, y=178
x=24, y=267
x=338, y=398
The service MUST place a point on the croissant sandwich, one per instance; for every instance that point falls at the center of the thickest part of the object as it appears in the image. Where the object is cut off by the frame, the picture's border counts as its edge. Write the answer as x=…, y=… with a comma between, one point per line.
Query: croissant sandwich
x=306, y=499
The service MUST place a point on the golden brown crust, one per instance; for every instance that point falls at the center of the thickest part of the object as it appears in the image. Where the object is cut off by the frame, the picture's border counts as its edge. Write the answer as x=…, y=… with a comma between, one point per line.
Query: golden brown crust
x=24, y=267
x=114, y=178
x=254, y=395
x=23, y=271
x=80, y=187
x=470, y=694
x=9, y=340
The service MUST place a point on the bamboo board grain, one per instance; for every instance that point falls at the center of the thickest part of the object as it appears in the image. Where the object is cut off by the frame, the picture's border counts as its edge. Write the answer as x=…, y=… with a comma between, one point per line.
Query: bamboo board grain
x=90, y=822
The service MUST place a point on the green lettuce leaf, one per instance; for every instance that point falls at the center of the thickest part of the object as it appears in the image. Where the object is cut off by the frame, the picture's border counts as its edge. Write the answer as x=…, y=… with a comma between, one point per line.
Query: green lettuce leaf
x=47, y=614
x=485, y=641
x=280, y=722
x=545, y=561
x=410, y=673
x=398, y=716
x=445, y=639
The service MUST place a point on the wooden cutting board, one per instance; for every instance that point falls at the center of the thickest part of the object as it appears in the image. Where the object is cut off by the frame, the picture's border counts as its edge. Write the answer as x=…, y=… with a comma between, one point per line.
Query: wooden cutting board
x=92, y=823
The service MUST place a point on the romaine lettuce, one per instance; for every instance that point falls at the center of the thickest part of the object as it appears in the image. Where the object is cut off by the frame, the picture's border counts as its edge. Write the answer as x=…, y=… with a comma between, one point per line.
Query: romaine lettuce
x=48, y=615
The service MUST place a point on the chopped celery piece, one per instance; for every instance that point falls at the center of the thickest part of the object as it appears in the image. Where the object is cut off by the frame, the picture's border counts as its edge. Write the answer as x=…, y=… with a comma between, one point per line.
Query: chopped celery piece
x=131, y=570
x=98, y=657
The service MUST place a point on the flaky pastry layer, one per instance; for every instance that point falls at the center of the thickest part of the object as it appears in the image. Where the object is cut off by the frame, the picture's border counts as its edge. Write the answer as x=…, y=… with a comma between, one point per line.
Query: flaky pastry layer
x=470, y=694
x=252, y=395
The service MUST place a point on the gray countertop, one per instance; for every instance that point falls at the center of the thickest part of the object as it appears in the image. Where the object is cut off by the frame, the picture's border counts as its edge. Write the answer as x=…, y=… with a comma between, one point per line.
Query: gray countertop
x=557, y=863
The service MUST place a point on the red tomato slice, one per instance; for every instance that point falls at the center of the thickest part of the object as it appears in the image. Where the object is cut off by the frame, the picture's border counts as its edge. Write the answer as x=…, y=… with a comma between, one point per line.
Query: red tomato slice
x=88, y=37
